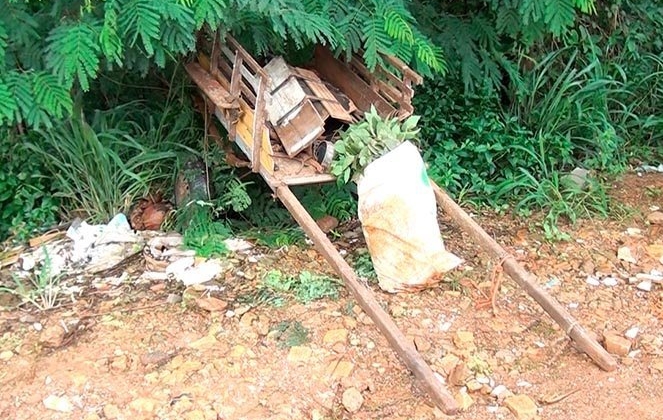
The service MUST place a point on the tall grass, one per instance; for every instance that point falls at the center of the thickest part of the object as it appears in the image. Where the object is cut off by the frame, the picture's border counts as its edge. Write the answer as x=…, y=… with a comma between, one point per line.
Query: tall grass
x=101, y=167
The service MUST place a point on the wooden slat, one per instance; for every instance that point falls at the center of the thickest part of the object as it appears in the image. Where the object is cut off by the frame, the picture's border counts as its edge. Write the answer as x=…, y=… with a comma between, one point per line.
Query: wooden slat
x=284, y=100
x=252, y=79
x=403, y=346
x=351, y=84
x=250, y=61
x=404, y=68
x=324, y=95
x=225, y=82
x=259, y=131
x=213, y=89
x=235, y=82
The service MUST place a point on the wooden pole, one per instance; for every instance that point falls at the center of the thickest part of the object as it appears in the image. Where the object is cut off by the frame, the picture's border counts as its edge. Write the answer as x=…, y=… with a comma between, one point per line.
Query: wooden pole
x=403, y=347
x=528, y=282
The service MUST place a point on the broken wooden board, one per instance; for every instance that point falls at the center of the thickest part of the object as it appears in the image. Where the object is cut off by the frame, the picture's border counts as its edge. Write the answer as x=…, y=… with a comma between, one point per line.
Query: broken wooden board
x=321, y=92
x=298, y=132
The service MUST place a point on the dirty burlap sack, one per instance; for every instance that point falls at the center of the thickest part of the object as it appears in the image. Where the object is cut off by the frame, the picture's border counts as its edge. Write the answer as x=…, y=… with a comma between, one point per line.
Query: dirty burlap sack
x=398, y=213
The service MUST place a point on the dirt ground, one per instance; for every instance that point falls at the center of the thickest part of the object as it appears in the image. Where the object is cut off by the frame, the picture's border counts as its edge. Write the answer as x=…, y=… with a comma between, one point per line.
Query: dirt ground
x=128, y=353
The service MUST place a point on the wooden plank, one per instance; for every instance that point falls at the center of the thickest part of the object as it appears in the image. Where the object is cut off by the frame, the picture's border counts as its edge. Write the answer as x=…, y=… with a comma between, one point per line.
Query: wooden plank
x=403, y=347
x=235, y=82
x=285, y=100
x=219, y=96
x=340, y=75
x=250, y=61
x=245, y=126
x=252, y=79
x=259, y=131
x=527, y=281
x=303, y=126
x=325, y=96
x=279, y=71
x=404, y=68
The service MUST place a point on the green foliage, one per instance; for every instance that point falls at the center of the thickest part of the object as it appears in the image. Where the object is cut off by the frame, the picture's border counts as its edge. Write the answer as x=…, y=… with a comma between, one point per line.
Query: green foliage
x=26, y=192
x=368, y=140
x=41, y=290
x=53, y=48
x=100, y=168
x=201, y=232
x=306, y=287
x=363, y=266
x=328, y=199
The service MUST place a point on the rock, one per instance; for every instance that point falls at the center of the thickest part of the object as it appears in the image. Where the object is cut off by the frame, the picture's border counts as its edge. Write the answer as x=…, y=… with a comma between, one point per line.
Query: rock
x=205, y=343
x=459, y=374
x=645, y=285
x=155, y=358
x=655, y=251
x=211, y=304
x=577, y=178
x=352, y=400
x=144, y=405
x=173, y=298
x=92, y=416
x=624, y=254
x=61, y=404
x=449, y=362
x=195, y=415
x=464, y=340
x=655, y=218
x=473, y=385
x=339, y=370
x=422, y=344
x=299, y=354
x=111, y=411
x=592, y=281
x=464, y=400
x=610, y=281
x=6, y=355
x=631, y=333
x=500, y=391
x=522, y=406
x=336, y=336
x=327, y=223
x=52, y=336
x=617, y=345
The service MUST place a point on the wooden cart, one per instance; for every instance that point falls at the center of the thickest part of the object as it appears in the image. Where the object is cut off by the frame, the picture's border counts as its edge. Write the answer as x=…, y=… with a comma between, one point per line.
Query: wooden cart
x=244, y=96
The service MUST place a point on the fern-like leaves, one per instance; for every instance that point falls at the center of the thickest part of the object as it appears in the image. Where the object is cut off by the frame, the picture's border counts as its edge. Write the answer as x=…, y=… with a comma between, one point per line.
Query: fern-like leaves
x=73, y=50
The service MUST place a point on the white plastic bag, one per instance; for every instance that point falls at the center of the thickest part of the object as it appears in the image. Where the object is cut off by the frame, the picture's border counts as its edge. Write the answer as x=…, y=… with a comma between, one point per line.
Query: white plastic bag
x=398, y=214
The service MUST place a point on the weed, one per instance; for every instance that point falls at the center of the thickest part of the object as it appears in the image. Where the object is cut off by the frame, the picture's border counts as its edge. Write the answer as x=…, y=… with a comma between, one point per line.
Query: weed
x=41, y=290
x=306, y=287
x=291, y=334
x=363, y=266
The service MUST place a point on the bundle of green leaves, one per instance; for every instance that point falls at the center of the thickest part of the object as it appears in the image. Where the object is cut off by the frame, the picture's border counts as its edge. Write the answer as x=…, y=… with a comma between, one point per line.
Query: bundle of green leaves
x=368, y=140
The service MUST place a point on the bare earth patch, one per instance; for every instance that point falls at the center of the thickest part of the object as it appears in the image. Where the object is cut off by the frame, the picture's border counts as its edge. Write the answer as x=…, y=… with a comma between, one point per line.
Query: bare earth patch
x=126, y=353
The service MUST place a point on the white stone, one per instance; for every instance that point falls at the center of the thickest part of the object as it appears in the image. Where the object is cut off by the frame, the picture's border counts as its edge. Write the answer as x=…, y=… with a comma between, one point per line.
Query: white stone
x=632, y=332
x=593, y=281
x=61, y=404
x=610, y=281
x=498, y=390
x=644, y=285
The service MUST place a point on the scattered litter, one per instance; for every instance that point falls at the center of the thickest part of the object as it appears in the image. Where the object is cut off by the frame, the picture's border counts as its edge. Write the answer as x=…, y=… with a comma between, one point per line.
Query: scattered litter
x=649, y=168
x=498, y=390
x=624, y=254
x=554, y=281
x=573, y=305
x=61, y=404
x=236, y=244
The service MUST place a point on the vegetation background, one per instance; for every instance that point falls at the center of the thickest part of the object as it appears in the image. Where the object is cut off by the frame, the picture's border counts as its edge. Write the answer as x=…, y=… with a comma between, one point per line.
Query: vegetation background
x=95, y=110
